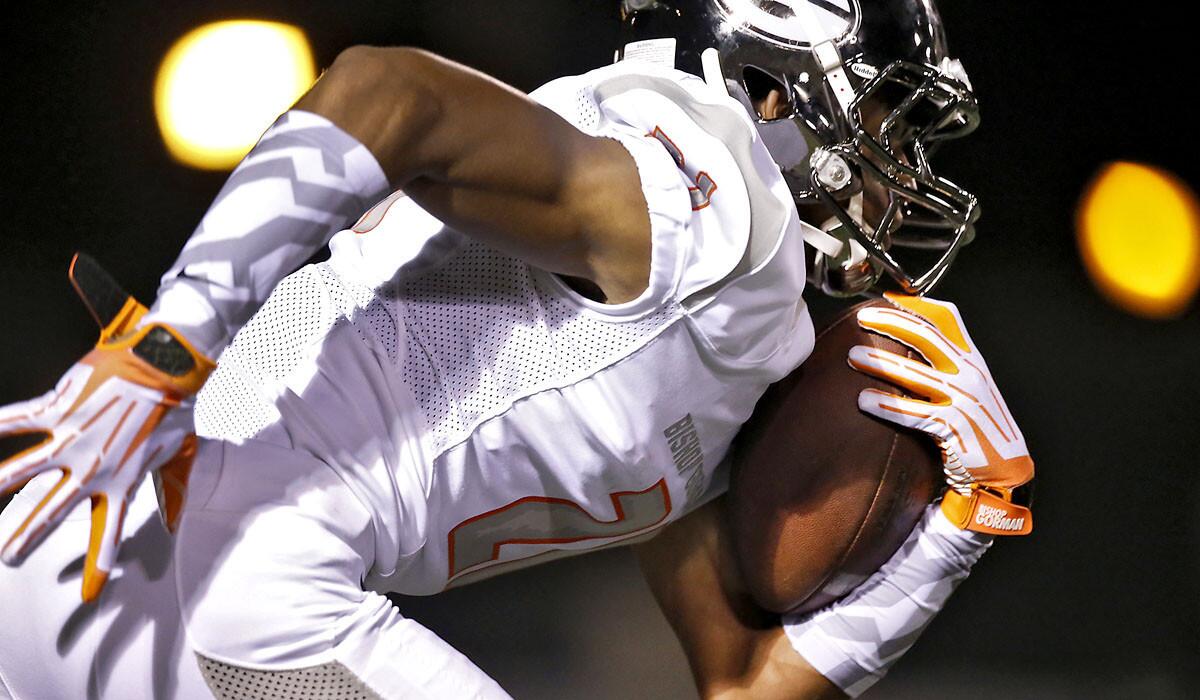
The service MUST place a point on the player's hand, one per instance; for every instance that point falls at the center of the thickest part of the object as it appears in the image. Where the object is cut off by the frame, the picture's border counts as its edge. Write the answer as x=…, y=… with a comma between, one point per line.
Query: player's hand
x=984, y=453
x=120, y=411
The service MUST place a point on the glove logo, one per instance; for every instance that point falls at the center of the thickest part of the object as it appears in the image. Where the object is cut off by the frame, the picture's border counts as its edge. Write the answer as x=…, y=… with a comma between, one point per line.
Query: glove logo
x=997, y=519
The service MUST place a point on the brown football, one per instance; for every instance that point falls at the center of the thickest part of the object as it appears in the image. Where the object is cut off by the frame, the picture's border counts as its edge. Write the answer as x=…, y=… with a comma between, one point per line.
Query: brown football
x=823, y=494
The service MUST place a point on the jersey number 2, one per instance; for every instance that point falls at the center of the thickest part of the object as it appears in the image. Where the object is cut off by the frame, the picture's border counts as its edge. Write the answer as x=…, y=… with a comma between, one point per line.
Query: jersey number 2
x=538, y=520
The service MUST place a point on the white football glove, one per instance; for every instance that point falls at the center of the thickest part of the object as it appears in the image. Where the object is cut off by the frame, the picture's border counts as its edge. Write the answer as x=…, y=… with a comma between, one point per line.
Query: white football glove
x=984, y=453
x=120, y=411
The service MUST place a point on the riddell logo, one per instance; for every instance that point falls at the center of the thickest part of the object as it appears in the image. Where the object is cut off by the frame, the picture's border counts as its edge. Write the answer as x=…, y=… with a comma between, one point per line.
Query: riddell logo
x=997, y=519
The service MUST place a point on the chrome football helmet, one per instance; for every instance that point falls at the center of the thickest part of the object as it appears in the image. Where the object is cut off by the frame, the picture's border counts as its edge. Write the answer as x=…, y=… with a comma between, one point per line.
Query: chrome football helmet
x=871, y=92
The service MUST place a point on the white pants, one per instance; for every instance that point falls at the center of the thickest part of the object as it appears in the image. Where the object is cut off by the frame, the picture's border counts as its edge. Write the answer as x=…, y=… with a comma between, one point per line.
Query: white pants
x=265, y=573
x=129, y=644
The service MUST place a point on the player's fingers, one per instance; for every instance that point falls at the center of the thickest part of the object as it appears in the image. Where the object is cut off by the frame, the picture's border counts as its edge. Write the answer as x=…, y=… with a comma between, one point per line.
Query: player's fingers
x=41, y=521
x=913, y=331
x=25, y=416
x=942, y=314
x=108, y=519
x=28, y=463
x=171, y=480
x=915, y=377
x=40, y=414
x=906, y=412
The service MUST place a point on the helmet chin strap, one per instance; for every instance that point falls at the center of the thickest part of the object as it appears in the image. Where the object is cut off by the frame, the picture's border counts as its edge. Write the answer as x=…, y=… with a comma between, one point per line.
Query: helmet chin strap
x=855, y=210
x=826, y=244
x=825, y=49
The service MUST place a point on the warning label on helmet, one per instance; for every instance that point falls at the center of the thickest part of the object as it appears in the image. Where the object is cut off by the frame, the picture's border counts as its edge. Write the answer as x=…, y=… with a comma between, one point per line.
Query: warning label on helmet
x=660, y=51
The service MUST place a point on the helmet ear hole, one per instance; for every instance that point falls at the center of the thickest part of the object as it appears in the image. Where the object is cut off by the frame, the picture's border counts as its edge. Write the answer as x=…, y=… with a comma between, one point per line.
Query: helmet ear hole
x=759, y=88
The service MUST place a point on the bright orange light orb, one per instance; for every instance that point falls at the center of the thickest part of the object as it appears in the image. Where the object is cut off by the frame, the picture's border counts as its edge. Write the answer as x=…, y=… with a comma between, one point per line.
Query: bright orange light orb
x=1138, y=230
x=221, y=86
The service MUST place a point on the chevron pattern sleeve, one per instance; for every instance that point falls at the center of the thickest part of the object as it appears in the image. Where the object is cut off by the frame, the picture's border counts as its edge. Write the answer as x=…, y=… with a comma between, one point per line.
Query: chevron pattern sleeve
x=854, y=641
x=305, y=180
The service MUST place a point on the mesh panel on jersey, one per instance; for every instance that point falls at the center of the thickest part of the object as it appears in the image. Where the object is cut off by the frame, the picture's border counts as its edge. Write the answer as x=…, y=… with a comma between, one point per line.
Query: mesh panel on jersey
x=279, y=335
x=237, y=402
x=479, y=332
x=229, y=406
x=587, y=117
x=583, y=342
x=330, y=681
x=368, y=307
x=482, y=333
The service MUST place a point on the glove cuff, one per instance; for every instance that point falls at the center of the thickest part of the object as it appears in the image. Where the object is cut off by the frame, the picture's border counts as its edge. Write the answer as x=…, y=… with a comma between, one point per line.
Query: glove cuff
x=167, y=351
x=178, y=367
x=985, y=510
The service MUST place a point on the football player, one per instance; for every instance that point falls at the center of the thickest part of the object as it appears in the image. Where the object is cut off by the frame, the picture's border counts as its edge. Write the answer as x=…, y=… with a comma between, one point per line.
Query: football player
x=498, y=364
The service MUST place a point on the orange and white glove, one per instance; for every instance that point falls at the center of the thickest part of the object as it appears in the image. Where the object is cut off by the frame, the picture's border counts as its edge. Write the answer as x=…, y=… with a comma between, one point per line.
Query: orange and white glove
x=984, y=453
x=121, y=411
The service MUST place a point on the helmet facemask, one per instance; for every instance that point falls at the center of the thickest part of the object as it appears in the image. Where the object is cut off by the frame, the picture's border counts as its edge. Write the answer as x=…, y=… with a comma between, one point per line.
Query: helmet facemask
x=872, y=95
x=922, y=107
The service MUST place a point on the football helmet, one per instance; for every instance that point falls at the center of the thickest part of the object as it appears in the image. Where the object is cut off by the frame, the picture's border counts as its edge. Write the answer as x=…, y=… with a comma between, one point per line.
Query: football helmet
x=871, y=91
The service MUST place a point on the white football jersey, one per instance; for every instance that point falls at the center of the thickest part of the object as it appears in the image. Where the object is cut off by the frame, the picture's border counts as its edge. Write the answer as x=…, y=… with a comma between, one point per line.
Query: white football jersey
x=489, y=416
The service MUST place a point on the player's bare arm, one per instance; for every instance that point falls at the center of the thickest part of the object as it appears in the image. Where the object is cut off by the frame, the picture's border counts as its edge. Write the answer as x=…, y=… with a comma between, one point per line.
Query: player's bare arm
x=489, y=161
x=735, y=649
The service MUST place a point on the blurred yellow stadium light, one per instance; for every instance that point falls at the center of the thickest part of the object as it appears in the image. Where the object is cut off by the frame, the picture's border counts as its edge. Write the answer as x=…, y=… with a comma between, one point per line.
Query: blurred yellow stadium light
x=221, y=86
x=1139, y=234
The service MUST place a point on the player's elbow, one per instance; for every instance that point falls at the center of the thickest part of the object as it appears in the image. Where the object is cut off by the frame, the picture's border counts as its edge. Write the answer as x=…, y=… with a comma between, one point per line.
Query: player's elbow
x=386, y=97
x=382, y=69
x=398, y=81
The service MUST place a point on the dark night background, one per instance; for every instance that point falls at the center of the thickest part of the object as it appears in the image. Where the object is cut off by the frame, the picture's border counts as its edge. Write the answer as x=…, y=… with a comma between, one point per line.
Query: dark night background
x=1100, y=603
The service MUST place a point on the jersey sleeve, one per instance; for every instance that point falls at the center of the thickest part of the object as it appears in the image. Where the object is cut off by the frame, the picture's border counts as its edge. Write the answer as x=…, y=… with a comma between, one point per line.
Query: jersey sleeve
x=663, y=185
x=727, y=244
